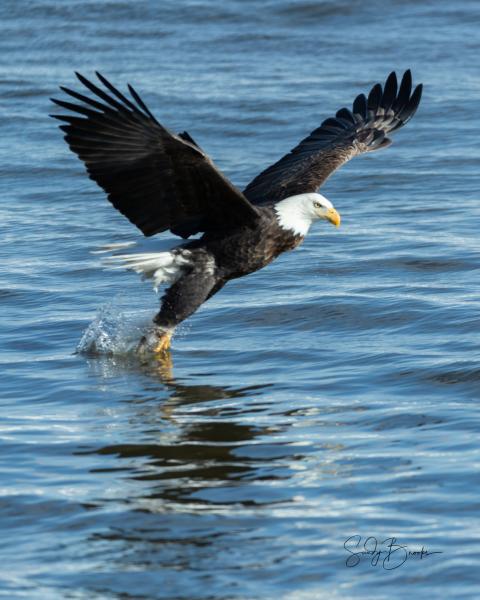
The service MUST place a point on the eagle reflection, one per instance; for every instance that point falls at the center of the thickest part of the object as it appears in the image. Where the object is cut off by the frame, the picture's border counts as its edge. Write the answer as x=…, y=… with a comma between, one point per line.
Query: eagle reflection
x=192, y=447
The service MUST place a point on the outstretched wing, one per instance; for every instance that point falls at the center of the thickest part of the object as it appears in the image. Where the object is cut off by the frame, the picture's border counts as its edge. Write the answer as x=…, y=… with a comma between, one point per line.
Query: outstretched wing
x=158, y=180
x=337, y=140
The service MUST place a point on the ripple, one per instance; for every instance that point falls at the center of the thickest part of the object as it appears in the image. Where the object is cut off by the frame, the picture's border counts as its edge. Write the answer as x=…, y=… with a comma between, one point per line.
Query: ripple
x=306, y=13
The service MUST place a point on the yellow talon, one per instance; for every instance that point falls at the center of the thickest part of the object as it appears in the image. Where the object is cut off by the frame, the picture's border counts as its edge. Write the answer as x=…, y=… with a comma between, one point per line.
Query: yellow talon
x=163, y=343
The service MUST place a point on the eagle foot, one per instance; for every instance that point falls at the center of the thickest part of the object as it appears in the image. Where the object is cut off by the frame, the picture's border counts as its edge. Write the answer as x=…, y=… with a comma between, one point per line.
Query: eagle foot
x=163, y=344
x=156, y=341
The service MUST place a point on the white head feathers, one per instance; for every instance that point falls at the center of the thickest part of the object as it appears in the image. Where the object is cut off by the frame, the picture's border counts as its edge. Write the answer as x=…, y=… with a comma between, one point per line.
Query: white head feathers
x=297, y=213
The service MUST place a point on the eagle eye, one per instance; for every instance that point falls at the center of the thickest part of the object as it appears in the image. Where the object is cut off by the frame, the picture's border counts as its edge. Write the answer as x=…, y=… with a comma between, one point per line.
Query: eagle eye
x=317, y=204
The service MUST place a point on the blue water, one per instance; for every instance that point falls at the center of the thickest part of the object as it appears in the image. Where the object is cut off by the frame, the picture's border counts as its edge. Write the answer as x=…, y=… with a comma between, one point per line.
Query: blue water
x=333, y=394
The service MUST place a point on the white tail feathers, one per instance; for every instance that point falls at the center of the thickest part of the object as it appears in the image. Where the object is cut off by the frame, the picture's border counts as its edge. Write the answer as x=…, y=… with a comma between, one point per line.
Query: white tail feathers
x=161, y=267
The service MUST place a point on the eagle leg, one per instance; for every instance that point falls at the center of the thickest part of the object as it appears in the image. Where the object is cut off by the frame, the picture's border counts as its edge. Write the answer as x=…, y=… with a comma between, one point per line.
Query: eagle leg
x=182, y=299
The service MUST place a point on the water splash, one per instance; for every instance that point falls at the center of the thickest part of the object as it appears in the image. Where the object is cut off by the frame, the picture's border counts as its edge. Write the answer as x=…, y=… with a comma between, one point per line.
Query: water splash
x=114, y=331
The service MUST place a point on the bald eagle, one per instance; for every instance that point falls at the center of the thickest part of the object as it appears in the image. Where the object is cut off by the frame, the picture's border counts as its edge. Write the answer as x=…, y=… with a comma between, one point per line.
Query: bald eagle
x=161, y=181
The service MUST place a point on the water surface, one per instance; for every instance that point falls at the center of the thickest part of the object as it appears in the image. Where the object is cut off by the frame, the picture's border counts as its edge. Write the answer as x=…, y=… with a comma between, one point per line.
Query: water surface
x=332, y=394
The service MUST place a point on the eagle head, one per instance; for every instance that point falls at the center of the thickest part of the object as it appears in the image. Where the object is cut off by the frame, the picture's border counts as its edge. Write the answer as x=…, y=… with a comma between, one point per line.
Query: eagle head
x=297, y=213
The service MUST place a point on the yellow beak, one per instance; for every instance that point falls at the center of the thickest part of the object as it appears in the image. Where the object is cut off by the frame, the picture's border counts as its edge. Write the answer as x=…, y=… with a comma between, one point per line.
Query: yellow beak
x=333, y=216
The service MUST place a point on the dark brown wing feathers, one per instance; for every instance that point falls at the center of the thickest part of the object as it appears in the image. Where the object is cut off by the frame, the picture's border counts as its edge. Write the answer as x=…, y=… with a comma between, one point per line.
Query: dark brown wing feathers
x=156, y=179
x=337, y=140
